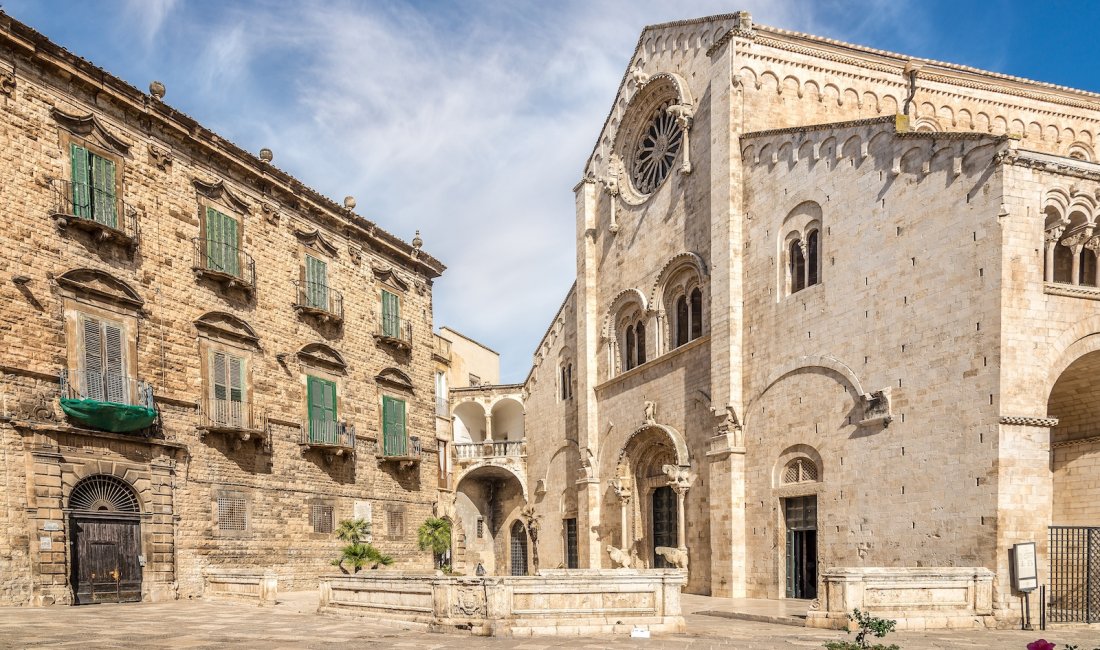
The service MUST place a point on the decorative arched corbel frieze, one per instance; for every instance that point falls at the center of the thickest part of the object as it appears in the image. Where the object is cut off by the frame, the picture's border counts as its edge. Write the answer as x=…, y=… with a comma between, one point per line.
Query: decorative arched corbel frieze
x=316, y=240
x=226, y=326
x=395, y=378
x=101, y=286
x=218, y=191
x=388, y=275
x=319, y=354
x=89, y=126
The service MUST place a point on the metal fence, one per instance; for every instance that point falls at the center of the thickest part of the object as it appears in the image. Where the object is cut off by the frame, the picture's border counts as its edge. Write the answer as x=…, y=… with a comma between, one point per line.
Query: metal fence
x=393, y=327
x=320, y=297
x=328, y=433
x=226, y=259
x=1074, y=595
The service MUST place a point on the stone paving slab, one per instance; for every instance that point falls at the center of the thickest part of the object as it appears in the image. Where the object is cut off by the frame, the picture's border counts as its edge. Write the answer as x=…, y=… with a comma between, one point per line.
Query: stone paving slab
x=215, y=625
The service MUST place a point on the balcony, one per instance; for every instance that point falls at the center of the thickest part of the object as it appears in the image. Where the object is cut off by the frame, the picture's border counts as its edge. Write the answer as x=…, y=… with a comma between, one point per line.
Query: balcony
x=442, y=350
x=490, y=449
x=335, y=439
x=400, y=449
x=99, y=212
x=319, y=301
x=225, y=264
x=394, y=331
x=442, y=408
x=239, y=420
x=109, y=401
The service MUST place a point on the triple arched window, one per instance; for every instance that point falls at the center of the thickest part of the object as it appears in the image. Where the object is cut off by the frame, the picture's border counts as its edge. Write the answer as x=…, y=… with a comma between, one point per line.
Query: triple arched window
x=634, y=349
x=688, y=323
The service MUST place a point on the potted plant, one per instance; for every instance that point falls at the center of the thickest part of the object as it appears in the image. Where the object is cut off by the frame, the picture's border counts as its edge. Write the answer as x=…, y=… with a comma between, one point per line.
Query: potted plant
x=435, y=535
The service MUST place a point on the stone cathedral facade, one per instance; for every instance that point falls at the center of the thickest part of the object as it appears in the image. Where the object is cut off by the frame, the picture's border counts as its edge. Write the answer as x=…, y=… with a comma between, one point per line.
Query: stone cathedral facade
x=832, y=336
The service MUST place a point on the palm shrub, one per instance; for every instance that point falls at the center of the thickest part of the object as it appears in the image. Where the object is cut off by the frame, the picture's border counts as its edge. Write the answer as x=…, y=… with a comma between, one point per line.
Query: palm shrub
x=435, y=535
x=358, y=553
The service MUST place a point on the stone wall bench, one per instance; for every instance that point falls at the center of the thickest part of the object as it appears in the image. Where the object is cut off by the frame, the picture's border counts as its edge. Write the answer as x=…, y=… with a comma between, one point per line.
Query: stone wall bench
x=555, y=602
x=261, y=587
x=918, y=598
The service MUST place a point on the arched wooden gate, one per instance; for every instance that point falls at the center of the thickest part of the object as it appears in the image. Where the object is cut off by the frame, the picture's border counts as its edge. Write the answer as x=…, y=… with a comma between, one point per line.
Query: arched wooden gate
x=105, y=533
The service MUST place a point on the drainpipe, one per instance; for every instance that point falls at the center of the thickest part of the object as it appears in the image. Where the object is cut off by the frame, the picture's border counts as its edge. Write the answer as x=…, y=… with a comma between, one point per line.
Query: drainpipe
x=912, y=67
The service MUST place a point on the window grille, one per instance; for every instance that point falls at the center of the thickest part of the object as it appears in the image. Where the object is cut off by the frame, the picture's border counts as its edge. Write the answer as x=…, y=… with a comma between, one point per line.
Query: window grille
x=800, y=470
x=321, y=516
x=232, y=513
x=480, y=527
x=395, y=524
x=571, y=543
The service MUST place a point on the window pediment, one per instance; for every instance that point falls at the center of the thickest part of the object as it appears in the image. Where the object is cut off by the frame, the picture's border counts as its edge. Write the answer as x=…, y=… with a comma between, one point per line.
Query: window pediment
x=219, y=192
x=314, y=239
x=89, y=126
x=101, y=286
x=387, y=274
x=395, y=378
x=319, y=354
x=227, y=326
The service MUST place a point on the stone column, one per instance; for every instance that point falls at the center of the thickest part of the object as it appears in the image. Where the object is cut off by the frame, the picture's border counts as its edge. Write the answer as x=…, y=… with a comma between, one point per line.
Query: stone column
x=624, y=490
x=1052, y=237
x=726, y=498
x=680, y=480
x=1075, y=274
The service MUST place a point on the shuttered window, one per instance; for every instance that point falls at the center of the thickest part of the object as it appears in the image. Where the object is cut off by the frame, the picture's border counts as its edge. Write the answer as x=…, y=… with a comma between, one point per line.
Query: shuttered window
x=323, y=426
x=227, y=383
x=102, y=373
x=221, y=243
x=316, y=293
x=391, y=314
x=93, y=186
x=394, y=440
x=321, y=515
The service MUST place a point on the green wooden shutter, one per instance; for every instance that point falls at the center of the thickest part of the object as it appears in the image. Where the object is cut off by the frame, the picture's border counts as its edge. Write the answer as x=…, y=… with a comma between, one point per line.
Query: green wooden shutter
x=316, y=283
x=117, y=388
x=391, y=315
x=322, y=410
x=104, y=205
x=394, y=441
x=221, y=243
x=82, y=203
x=93, y=360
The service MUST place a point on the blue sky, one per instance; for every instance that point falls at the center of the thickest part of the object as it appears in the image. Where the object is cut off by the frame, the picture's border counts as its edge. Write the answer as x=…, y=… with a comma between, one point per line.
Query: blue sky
x=471, y=121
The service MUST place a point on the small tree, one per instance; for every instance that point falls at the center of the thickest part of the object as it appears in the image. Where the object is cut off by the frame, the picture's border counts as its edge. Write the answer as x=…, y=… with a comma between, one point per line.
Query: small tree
x=866, y=626
x=358, y=553
x=435, y=535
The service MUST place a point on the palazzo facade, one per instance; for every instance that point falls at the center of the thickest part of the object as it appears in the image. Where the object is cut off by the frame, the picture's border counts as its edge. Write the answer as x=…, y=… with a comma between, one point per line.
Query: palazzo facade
x=834, y=322
x=206, y=364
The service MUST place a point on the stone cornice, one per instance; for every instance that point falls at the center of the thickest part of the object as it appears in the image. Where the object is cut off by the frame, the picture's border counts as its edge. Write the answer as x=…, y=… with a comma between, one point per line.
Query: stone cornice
x=1029, y=421
x=140, y=107
x=1075, y=441
x=1049, y=163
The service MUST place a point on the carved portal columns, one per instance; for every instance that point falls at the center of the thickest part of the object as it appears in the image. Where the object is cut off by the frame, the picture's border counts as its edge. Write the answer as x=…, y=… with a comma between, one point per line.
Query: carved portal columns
x=624, y=489
x=680, y=479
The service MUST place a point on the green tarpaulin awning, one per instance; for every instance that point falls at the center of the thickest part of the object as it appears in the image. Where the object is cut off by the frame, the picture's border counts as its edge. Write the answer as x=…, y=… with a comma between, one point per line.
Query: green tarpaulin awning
x=118, y=418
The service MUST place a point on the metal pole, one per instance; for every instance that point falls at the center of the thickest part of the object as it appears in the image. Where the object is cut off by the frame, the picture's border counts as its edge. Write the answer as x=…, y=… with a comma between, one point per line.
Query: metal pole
x=1042, y=607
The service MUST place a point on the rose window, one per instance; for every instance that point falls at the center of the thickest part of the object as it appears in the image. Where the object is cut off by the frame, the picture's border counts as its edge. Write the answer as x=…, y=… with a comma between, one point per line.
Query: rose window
x=656, y=150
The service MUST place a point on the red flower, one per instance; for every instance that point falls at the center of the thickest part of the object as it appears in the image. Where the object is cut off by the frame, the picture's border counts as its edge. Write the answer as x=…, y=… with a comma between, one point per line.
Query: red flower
x=1041, y=644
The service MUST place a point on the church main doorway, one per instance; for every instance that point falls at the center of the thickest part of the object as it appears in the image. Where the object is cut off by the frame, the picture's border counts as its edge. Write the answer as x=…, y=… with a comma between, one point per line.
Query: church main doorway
x=800, y=514
x=664, y=523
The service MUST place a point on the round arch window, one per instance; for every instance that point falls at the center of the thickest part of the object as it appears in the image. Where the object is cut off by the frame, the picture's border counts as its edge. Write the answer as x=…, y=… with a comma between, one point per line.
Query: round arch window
x=656, y=149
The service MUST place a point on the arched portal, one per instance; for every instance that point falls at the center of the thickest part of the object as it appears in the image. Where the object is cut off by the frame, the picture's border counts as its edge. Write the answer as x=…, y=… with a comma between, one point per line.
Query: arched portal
x=105, y=516
x=487, y=499
x=1075, y=445
x=508, y=420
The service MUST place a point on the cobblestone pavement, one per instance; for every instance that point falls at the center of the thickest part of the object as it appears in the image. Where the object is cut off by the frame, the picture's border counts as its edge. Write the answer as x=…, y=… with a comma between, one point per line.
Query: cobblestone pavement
x=205, y=624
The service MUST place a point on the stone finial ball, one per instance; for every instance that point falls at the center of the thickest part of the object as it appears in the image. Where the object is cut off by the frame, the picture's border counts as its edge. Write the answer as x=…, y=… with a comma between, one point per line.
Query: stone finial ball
x=266, y=155
x=156, y=89
x=349, y=202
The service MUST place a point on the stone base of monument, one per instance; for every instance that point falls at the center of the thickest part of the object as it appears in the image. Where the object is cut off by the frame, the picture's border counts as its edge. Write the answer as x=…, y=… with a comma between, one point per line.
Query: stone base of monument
x=554, y=602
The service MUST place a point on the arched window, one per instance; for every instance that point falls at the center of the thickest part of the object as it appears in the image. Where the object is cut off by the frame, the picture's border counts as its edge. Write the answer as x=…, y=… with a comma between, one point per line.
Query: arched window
x=630, y=358
x=682, y=326
x=696, y=313
x=797, y=267
x=519, y=550
x=641, y=342
x=1087, y=275
x=1063, y=264
x=811, y=258
x=800, y=470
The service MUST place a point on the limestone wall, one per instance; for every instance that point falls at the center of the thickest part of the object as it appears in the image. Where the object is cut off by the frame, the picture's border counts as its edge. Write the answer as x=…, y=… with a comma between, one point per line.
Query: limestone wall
x=907, y=303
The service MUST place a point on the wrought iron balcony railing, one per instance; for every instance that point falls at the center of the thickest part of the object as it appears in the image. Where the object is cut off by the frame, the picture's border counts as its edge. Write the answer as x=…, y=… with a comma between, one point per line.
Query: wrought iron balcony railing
x=230, y=415
x=317, y=432
x=489, y=449
x=225, y=263
x=107, y=387
x=318, y=299
x=98, y=210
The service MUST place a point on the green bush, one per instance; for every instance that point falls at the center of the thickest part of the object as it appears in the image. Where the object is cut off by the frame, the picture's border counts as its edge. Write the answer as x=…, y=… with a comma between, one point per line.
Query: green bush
x=358, y=554
x=866, y=627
